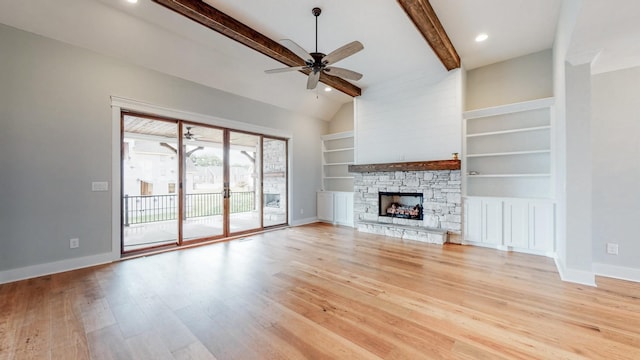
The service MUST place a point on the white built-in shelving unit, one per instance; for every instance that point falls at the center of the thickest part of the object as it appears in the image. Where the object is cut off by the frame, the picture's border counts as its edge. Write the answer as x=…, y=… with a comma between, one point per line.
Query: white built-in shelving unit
x=337, y=155
x=508, y=150
x=508, y=161
x=335, y=200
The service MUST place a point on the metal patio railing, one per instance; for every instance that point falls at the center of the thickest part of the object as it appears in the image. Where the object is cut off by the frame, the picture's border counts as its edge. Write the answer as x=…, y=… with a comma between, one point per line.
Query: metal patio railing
x=152, y=208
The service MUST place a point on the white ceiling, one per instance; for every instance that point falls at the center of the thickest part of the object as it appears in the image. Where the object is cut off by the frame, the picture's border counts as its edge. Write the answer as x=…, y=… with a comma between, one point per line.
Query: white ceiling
x=149, y=35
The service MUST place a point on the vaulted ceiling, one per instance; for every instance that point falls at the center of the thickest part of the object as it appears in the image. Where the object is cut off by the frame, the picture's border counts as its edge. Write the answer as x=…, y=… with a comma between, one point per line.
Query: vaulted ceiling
x=155, y=37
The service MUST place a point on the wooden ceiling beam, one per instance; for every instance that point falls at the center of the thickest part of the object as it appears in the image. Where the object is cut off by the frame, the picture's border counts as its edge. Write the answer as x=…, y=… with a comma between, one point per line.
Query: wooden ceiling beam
x=425, y=19
x=214, y=19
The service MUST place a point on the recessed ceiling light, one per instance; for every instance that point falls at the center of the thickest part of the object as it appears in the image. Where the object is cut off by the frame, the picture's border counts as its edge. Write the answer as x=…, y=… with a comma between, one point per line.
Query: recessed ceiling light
x=327, y=89
x=482, y=37
x=132, y=1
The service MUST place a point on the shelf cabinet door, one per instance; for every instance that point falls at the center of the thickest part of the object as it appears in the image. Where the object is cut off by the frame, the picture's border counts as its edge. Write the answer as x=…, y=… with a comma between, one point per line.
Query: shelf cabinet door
x=541, y=226
x=343, y=208
x=325, y=206
x=473, y=220
x=516, y=223
x=492, y=221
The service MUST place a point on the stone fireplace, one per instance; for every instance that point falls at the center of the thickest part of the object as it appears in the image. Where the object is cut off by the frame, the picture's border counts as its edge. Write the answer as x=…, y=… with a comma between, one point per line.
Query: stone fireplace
x=431, y=189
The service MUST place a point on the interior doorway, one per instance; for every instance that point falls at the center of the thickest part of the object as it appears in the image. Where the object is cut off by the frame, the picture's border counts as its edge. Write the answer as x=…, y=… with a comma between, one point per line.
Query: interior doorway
x=184, y=182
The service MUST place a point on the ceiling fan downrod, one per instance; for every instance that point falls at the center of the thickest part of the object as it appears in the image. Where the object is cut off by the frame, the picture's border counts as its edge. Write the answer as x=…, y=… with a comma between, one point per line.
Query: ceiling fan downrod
x=316, y=11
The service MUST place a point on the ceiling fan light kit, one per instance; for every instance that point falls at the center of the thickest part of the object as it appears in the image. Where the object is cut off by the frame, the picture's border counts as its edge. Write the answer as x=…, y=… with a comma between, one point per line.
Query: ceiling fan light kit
x=318, y=62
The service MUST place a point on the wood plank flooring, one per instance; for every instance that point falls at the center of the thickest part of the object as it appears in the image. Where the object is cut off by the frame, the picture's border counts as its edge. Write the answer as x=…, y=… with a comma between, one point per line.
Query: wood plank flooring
x=320, y=292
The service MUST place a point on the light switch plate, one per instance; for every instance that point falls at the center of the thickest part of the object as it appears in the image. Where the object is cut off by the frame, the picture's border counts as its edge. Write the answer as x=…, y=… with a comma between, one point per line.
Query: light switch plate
x=100, y=186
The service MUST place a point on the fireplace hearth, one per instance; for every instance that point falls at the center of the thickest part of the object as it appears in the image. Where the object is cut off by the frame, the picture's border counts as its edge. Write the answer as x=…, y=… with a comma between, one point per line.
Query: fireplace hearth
x=400, y=205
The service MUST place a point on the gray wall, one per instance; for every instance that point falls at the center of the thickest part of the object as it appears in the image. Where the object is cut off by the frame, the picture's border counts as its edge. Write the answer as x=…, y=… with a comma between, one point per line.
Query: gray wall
x=578, y=167
x=342, y=120
x=616, y=166
x=524, y=78
x=55, y=140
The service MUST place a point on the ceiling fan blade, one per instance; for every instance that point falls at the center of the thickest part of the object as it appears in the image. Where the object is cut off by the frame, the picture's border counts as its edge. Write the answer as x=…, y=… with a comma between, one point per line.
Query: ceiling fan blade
x=312, y=81
x=297, y=49
x=273, y=71
x=343, y=73
x=342, y=52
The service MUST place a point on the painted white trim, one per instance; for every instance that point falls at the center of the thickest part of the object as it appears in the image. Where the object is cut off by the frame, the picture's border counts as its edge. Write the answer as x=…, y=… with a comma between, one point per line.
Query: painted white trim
x=116, y=204
x=152, y=109
x=575, y=276
x=510, y=108
x=305, y=221
x=33, y=271
x=617, y=272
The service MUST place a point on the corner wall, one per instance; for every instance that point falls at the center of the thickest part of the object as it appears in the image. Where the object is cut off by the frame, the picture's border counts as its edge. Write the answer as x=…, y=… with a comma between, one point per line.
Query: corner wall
x=616, y=172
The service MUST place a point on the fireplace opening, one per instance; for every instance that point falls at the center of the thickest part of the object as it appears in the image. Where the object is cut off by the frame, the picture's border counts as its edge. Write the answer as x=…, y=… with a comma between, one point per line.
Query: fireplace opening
x=400, y=205
x=272, y=200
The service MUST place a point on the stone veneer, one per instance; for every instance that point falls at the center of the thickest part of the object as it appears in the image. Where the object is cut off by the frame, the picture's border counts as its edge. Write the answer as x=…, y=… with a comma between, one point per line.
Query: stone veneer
x=442, y=191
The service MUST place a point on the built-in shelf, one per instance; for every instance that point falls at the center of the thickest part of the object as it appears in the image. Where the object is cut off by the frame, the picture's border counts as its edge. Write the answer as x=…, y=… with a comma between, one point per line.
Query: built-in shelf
x=511, y=131
x=408, y=166
x=338, y=150
x=510, y=153
x=510, y=148
x=337, y=155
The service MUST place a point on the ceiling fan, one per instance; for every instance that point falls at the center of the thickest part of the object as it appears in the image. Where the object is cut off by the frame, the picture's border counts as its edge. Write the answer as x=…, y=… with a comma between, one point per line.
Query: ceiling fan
x=318, y=62
x=189, y=135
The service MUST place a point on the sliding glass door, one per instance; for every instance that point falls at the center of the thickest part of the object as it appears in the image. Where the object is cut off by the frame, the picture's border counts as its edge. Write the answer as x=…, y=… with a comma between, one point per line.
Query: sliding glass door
x=184, y=182
x=203, y=179
x=244, y=188
x=150, y=178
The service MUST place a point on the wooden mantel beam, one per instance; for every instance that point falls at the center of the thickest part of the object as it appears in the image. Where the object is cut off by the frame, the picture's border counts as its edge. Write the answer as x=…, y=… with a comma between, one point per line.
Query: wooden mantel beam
x=427, y=22
x=207, y=15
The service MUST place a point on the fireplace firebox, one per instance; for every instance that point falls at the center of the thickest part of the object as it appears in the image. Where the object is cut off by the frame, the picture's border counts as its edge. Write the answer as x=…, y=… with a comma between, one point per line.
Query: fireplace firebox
x=400, y=205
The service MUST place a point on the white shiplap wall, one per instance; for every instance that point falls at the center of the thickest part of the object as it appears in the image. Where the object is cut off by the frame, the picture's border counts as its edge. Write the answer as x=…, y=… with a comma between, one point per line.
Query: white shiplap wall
x=412, y=118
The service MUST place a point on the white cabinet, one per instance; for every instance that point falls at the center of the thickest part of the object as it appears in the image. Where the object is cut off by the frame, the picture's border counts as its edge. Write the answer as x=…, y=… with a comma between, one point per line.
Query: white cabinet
x=483, y=221
x=325, y=205
x=541, y=226
x=508, y=150
x=343, y=208
x=335, y=207
x=509, y=223
x=508, y=177
x=337, y=155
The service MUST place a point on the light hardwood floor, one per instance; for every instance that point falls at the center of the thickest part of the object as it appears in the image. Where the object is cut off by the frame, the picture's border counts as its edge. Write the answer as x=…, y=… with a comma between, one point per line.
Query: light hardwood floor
x=320, y=292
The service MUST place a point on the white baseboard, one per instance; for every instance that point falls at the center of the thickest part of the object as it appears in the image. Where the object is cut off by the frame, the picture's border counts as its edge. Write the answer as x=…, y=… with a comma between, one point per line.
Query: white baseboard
x=575, y=276
x=617, y=272
x=306, y=221
x=33, y=271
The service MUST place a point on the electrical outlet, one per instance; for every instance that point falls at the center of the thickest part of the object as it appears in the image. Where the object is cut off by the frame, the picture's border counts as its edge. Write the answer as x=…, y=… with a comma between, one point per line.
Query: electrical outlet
x=74, y=243
x=612, y=249
x=100, y=186
x=301, y=211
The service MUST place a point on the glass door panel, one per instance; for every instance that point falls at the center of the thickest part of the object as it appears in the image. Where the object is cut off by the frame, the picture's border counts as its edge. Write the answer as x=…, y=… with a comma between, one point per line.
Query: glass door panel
x=149, y=182
x=203, y=184
x=274, y=173
x=245, y=194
